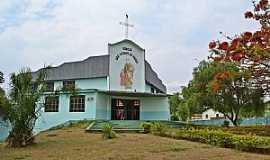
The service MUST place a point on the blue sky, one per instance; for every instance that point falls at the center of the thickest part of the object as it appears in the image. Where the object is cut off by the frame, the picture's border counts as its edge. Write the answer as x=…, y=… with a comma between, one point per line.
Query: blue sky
x=175, y=33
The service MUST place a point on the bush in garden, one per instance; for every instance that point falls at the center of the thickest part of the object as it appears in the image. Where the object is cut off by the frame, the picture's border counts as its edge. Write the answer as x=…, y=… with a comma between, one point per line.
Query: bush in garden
x=107, y=131
x=158, y=128
x=255, y=130
x=146, y=126
x=225, y=139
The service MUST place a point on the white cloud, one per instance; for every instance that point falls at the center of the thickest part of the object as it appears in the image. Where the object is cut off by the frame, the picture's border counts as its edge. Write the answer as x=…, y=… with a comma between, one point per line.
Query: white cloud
x=173, y=33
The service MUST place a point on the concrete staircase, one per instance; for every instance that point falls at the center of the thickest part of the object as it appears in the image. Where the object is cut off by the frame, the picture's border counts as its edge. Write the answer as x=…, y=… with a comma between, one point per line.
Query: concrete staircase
x=127, y=125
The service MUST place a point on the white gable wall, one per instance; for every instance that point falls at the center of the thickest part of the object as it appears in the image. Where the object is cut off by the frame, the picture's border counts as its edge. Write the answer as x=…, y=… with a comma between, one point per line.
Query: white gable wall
x=126, y=52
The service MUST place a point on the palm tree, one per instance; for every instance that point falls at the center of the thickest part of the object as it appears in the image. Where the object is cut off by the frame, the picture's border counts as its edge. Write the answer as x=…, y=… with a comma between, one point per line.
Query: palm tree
x=23, y=110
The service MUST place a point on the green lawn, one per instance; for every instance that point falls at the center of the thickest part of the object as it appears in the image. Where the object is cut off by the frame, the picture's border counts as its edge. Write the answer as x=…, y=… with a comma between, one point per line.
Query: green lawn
x=74, y=143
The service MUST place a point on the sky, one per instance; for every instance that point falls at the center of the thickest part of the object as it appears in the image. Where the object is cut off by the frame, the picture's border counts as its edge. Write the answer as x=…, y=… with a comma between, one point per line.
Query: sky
x=174, y=33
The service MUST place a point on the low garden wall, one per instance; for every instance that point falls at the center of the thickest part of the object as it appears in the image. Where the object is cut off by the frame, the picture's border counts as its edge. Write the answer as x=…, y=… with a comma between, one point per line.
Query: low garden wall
x=244, y=122
x=4, y=129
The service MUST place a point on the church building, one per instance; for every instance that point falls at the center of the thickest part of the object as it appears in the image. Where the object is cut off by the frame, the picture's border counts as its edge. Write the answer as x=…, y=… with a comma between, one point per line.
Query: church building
x=120, y=85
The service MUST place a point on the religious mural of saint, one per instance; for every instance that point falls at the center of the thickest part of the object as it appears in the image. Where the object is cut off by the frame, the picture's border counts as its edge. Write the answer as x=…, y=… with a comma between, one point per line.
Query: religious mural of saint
x=126, y=76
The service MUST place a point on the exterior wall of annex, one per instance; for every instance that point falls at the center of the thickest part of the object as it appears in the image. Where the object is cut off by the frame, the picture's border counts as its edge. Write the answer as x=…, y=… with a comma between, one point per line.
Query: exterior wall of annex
x=98, y=105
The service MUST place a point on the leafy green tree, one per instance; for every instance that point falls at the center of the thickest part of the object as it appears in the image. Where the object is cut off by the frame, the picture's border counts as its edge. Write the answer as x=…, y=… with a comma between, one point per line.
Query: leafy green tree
x=234, y=93
x=3, y=99
x=174, y=103
x=226, y=88
x=195, y=95
x=23, y=110
x=183, y=111
x=178, y=108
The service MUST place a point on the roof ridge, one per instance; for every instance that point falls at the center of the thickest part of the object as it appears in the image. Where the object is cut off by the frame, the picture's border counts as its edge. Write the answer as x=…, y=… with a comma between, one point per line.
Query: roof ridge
x=83, y=59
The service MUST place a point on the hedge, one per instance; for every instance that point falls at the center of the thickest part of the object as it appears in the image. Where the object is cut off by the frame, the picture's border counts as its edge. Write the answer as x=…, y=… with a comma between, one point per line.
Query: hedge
x=256, y=130
x=221, y=138
x=242, y=130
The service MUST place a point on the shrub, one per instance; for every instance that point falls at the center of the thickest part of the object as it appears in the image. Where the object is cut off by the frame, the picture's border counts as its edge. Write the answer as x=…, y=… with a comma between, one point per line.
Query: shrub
x=241, y=130
x=146, y=126
x=107, y=131
x=251, y=143
x=256, y=130
x=217, y=137
x=158, y=128
x=224, y=139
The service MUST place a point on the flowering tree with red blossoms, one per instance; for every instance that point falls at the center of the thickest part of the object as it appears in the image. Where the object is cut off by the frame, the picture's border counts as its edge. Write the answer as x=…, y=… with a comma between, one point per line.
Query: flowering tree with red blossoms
x=249, y=50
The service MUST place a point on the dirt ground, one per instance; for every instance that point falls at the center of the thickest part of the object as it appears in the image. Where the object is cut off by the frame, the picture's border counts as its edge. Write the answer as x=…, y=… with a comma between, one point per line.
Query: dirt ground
x=75, y=144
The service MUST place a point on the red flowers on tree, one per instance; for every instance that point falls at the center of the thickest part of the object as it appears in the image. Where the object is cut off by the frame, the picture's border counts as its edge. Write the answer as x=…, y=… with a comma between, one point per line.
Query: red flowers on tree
x=263, y=4
x=223, y=46
x=251, y=50
x=248, y=14
x=234, y=44
x=238, y=56
x=212, y=45
x=247, y=36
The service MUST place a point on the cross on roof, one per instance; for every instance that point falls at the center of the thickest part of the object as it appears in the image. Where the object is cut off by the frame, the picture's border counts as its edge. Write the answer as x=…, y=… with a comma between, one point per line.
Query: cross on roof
x=126, y=25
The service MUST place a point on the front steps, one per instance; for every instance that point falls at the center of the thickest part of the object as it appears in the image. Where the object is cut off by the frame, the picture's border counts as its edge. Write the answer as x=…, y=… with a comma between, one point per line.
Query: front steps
x=127, y=125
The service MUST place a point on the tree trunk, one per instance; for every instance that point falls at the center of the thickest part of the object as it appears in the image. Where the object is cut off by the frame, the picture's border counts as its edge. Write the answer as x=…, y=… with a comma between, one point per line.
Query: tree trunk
x=234, y=122
x=17, y=139
x=232, y=119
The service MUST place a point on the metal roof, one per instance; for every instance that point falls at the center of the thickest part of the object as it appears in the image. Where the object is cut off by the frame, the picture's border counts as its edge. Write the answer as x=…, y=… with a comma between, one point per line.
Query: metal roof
x=94, y=67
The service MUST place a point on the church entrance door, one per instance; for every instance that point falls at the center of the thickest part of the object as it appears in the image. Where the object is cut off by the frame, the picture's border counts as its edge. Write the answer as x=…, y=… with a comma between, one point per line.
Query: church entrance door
x=125, y=109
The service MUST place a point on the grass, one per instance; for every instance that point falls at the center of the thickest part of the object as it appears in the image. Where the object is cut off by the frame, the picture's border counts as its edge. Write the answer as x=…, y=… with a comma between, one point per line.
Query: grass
x=74, y=143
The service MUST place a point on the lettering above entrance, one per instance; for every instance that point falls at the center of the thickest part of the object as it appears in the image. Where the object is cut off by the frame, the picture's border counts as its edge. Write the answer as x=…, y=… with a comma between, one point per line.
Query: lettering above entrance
x=126, y=51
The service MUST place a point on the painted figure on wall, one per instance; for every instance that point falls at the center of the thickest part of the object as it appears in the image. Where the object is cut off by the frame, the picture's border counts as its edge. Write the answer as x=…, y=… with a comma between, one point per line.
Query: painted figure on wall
x=126, y=76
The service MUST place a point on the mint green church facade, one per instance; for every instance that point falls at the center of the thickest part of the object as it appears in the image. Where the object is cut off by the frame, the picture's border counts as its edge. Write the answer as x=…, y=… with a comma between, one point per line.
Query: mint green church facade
x=120, y=85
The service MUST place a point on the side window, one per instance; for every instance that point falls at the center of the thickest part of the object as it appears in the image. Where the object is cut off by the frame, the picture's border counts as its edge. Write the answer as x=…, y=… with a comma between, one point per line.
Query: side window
x=49, y=87
x=68, y=85
x=77, y=104
x=52, y=104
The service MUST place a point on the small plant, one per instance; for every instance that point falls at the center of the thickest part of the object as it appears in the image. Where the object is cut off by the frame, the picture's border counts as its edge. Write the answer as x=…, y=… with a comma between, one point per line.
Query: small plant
x=107, y=131
x=146, y=126
x=158, y=128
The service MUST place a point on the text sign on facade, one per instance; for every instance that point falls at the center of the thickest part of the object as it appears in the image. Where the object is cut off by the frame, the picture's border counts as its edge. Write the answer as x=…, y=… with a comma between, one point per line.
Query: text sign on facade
x=126, y=51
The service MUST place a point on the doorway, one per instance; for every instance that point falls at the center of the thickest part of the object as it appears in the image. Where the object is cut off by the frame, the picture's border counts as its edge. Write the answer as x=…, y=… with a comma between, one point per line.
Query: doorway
x=125, y=109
